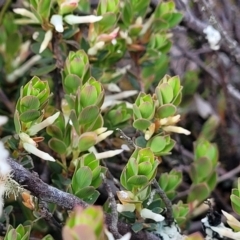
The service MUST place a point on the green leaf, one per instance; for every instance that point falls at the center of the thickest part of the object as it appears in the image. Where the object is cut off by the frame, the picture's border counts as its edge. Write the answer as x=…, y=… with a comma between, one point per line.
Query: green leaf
x=136, y=227
x=86, y=141
x=175, y=19
x=44, y=7
x=57, y=145
x=167, y=149
x=166, y=93
x=163, y=180
x=48, y=237
x=141, y=141
x=200, y=170
x=84, y=192
x=29, y=103
x=17, y=123
x=82, y=178
x=13, y=43
x=107, y=23
x=235, y=201
x=212, y=181
x=144, y=168
x=174, y=180
x=20, y=229
x=29, y=116
x=11, y=235
x=126, y=13
x=141, y=124
x=166, y=110
x=71, y=83
x=54, y=131
x=138, y=181
x=89, y=115
x=198, y=193
x=74, y=119
x=88, y=194
x=96, y=172
x=175, y=83
x=157, y=144
x=140, y=7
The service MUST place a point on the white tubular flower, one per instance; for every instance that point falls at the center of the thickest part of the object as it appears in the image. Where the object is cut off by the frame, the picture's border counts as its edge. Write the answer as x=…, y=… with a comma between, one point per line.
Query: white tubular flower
x=112, y=87
x=57, y=21
x=103, y=136
x=170, y=120
x=124, y=94
x=125, y=36
x=72, y=19
x=30, y=146
x=38, y=127
x=146, y=213
x=147, y=25
x=176, y=130
x=213, y=36
x=23, y=69
x=26, y=13
x=26, y=138
x=33, y=149
x=98, y=46
x=100, y=130
x=150, y=131
x=47, y=38
x=23, y=54
x=113, y=102
x=24, y=21
x=108, y=154
x=128, y=207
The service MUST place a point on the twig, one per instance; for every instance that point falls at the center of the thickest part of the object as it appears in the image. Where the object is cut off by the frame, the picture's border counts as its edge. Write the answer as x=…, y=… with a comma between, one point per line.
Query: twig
x=167, y=202
x=230, y=43
x=229, y=175
x=65, y=200
x=113, y=205
x=126, y=138
x=192, y=22
x=42, y=190
x=48, y=217
x=57, y=72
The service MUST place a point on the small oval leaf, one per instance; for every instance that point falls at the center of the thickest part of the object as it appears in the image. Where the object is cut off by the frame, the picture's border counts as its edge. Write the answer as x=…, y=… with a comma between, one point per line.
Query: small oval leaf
x=57, y=145
x=29, y=116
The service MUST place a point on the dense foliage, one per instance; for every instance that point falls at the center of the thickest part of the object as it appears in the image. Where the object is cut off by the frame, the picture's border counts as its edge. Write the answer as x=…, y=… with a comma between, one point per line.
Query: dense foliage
x=92, y=95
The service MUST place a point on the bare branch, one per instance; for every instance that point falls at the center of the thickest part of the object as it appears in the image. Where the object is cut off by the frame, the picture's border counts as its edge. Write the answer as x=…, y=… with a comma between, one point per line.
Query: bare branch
x=167, y=202
x=65, y=200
